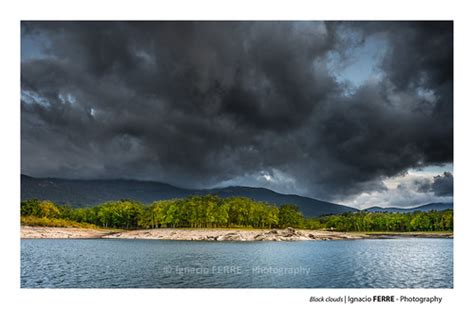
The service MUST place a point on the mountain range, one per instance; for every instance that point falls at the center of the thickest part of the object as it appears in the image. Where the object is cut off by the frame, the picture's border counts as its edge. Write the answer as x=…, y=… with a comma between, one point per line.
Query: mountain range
x=80, y=193
x=427, y=207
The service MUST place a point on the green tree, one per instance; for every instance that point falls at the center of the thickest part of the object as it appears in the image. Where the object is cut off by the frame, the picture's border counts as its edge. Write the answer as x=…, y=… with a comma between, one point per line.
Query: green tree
x=289, y=215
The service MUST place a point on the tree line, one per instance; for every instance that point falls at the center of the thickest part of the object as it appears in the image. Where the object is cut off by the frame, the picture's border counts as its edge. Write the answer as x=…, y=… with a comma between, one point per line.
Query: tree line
x=208, y=211
x=211, y=211
x=364, y=221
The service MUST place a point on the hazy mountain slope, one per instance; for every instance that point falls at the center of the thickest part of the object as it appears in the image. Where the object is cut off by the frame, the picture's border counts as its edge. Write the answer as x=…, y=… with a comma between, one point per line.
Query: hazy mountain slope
x=91, y=192
x=427, y=207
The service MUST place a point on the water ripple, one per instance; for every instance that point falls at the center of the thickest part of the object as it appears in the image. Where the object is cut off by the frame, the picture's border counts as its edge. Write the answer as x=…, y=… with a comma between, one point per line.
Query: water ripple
x=112, y=263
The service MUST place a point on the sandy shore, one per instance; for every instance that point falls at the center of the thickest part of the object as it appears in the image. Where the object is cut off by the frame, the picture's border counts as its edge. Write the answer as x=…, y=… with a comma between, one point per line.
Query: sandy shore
x=289, y=234
x=61, y=232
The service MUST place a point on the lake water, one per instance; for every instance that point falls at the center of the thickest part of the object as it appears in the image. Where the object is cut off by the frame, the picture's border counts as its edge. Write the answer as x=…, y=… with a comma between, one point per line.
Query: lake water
x=113, y=263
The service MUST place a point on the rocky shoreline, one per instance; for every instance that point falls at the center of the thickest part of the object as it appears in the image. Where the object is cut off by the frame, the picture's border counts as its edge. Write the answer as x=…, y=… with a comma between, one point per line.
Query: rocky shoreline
x=289, y=234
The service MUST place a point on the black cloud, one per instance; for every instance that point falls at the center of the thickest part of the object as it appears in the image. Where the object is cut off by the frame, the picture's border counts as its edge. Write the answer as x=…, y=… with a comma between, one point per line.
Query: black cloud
x=443, y=184
x=199, y=103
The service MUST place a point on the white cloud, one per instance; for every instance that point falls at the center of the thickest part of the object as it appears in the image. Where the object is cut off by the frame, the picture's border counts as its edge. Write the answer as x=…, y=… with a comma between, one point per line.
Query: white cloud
x=402, y=190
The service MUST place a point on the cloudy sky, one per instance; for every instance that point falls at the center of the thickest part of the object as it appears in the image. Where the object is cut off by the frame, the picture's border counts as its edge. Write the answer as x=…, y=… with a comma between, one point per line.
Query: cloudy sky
x=355, y=113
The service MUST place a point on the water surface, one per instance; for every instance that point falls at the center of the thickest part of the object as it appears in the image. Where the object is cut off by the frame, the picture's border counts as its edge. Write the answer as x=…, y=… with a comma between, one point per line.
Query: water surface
x=114, y=263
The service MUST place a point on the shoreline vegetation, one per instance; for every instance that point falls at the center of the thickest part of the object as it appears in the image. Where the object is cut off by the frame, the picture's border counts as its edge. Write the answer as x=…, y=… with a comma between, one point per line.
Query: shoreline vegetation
x=214, y=219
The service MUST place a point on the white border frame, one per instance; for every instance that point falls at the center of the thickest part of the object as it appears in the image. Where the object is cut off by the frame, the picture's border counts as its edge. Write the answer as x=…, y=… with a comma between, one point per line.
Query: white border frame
x=15, y=11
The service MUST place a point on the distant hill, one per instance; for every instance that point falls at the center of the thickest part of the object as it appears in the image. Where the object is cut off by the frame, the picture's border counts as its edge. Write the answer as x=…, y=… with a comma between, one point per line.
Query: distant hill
x=427, y=207
x=79, y=193
x=309, y=207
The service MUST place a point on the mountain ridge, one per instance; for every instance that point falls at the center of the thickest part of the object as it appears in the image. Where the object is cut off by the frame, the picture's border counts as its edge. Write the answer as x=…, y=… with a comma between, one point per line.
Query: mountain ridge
x=90, y=192
x=424, y=207
x=80, y=193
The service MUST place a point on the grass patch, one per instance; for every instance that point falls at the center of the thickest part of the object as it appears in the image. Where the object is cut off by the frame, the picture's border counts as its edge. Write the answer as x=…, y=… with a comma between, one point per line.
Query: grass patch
x=54, y=222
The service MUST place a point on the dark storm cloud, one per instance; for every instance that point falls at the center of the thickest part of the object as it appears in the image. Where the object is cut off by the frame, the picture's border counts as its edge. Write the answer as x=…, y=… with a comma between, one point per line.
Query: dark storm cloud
x=441, y=185
x=201, y=103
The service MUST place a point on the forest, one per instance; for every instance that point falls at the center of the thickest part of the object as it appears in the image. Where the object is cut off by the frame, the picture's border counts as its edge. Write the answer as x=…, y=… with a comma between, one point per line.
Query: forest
x=211, y=211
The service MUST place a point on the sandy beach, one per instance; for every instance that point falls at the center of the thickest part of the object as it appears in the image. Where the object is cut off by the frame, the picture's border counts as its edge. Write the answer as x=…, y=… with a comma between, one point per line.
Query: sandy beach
x=289, y=234
x=61, y=232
